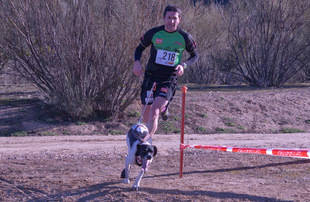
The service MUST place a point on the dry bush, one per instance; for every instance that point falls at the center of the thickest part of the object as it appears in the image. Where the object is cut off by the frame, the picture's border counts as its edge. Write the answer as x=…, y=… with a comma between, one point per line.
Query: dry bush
x=3, y=60
x=78, y=53
x=3, y=55
x=267, y=42
x=306, y=72
x=206, y=26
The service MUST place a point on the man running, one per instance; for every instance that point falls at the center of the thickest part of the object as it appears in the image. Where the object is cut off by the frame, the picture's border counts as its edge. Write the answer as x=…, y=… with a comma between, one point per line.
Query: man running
x=164, y=65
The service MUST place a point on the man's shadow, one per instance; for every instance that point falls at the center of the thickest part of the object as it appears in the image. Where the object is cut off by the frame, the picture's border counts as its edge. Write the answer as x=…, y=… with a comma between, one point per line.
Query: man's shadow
x=28, y=115
x=296, y=162
x=97, y=191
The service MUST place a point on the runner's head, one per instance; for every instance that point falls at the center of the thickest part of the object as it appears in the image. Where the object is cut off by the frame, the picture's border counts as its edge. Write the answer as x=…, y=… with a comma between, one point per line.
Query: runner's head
x=172, y=17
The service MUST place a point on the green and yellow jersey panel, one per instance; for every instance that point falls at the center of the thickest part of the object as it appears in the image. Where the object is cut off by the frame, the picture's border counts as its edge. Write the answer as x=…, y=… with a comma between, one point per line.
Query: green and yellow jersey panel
x=167, y=50
x=169, y=47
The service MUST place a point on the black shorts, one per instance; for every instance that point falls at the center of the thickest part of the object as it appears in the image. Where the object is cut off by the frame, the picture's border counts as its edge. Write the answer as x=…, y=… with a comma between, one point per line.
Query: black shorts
x=165, y=89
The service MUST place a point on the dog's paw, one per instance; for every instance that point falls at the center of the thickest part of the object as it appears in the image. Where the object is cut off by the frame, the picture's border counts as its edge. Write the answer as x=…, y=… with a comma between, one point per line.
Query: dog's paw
x=126, y=181
x=123, y=174
x=135, y=188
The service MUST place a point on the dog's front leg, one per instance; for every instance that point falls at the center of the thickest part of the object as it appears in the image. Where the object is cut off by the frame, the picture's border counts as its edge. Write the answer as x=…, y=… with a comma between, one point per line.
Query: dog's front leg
x=129, y=160
x=144, y=168
x=126, y=171
x=136, y=185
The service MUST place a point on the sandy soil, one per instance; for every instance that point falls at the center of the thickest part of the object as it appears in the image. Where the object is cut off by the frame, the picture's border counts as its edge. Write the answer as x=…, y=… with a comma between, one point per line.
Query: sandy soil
x=87, y=168
x=50, y=159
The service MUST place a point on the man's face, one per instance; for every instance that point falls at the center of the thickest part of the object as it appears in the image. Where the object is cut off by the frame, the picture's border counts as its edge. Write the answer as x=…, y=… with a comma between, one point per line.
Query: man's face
x=171, y=20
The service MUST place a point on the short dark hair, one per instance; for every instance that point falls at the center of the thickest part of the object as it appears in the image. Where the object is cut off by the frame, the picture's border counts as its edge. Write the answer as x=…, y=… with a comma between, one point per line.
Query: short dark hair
x=172, y=8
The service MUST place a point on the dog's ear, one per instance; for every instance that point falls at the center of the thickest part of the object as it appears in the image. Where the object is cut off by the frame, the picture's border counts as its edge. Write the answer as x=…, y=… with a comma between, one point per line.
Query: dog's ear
x=155, y=150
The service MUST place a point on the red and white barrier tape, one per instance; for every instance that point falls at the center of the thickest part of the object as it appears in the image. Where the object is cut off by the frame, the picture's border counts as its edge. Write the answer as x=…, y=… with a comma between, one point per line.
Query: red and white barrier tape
x=300, y=153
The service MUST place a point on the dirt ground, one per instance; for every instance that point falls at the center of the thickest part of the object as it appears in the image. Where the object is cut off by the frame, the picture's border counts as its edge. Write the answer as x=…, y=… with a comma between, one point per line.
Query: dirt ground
x=46, y=158
x=87, y=168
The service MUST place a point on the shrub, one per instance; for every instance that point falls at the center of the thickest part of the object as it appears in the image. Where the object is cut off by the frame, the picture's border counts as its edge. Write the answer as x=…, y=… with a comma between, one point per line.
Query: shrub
x=267, y=45
x=206, y=26
x=78, y=53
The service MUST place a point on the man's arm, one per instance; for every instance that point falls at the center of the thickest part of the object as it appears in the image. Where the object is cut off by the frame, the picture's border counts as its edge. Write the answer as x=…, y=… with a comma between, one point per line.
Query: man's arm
x=191, y=48
x=145, y=42
x=192, y=59
x=137, y=67
x=138, y=52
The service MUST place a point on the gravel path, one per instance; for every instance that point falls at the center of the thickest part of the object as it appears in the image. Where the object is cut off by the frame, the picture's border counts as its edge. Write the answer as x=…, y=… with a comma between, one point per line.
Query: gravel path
x=87, y=168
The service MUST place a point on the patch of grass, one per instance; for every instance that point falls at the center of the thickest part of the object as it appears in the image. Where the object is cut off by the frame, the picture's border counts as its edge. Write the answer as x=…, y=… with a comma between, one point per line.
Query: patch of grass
x=224, y=130
x=307, y=121
x=202, y=115
x=176, y=118
x=50, y=120
x=48, y=133
x=107, y=119
x=240, y=127
x=169, y=127
x=219, y=129
x=300, y=119
x=23, y=110
x=291, y=130
x=201, y=130
x=187, y=116
x=115, y=132
x=19, y=134
x=80, y=123
x=5, y=101
x=17, y=102
x=134, y=114
x=66, y=132
x=282, y=122
x=228, y=122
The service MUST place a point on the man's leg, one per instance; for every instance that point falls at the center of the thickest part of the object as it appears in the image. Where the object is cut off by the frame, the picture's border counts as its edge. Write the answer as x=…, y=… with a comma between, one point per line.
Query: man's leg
x=146, y=114
x=157, y=106
x=171, y=88
x=165, y=113
x=146, y=98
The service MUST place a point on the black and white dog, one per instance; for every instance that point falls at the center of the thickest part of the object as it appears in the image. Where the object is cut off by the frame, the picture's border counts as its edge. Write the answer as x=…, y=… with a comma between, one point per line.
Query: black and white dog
x=141, y=153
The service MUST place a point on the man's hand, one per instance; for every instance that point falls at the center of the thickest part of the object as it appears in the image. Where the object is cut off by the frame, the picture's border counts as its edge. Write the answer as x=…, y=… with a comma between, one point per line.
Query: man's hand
x=137, y=68
x=180, y=70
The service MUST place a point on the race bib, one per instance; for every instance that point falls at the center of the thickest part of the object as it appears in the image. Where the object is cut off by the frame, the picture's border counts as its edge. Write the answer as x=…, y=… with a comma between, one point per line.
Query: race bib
x=149, y=98
x=167, y=58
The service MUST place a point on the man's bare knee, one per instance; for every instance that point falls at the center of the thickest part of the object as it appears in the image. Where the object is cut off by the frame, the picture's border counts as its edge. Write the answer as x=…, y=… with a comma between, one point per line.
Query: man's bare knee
x=146, y=113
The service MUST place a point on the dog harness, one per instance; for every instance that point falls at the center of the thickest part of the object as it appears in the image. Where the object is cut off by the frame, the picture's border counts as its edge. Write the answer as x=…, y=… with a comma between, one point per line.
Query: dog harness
x=137, y=132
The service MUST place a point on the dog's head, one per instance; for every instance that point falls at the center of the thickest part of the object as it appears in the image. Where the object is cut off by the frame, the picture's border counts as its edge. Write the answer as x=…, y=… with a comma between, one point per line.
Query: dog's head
x=145, y=152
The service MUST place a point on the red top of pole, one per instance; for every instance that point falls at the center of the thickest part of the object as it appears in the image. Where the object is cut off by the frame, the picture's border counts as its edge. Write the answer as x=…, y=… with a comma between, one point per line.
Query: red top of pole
x=184, y=89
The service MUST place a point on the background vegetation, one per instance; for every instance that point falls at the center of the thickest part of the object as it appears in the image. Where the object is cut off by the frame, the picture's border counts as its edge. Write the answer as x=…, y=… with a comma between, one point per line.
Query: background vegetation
x=79, y=54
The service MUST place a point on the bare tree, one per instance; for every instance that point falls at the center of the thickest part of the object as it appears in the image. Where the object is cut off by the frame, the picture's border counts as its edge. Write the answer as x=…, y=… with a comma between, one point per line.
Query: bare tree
x=3, y=60
x=3, y=54
x=267, y=41
x=78, y=53
x=206, y=26
x=306, y=72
